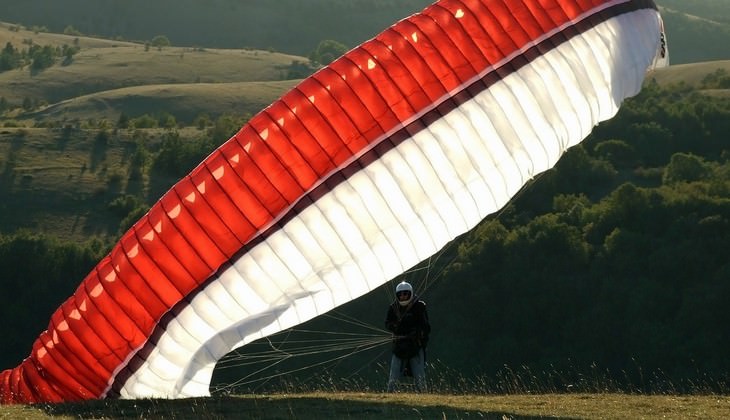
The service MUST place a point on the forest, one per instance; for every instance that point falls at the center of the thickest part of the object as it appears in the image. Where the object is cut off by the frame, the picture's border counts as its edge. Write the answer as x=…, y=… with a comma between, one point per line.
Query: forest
x=617, y=257
x=613, y=263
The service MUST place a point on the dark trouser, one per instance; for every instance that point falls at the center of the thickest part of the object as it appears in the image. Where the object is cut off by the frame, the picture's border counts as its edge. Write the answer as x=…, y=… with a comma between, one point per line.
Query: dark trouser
x=417, y=365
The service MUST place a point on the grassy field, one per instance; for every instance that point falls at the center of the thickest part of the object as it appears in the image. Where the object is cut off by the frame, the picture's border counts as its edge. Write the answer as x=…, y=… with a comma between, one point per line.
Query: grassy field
x=391, y=406
x=18, y=35
x=96, y=70
x=61, y=185
x=60, y=181
x=691, y=74
x=181, y=100
x=103, y=65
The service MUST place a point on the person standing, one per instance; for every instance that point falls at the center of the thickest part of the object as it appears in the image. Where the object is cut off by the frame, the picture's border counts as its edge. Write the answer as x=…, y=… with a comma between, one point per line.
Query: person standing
x=407, y=319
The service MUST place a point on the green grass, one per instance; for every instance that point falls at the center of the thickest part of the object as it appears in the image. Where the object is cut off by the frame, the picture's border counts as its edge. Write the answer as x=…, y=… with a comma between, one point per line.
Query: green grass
x=363, y=405
x=181, y=100
x=95, y=70
x=17, y=35
x=691, y=74
x=103, y=65
x=63, y=187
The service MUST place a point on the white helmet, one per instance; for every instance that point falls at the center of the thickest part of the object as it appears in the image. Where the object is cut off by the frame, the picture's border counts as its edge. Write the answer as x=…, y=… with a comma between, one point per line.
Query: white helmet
x=404, y=287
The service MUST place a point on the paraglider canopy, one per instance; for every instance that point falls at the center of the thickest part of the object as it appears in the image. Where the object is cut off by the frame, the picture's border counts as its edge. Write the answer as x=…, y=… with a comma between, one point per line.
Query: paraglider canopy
x=362, y=170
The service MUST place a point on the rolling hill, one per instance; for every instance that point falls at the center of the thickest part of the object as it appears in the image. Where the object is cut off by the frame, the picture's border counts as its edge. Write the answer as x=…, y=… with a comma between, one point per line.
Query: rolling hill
x=292, y=26
x=297, y=27
x=58, y=180
x=104, y=65
x=98, y=69
x=184, y=101
x=109, y=78
x=106, y=78
x=691, y=74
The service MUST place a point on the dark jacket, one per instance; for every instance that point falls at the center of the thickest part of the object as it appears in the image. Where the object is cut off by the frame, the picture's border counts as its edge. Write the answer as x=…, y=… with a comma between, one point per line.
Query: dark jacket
x=410, y=327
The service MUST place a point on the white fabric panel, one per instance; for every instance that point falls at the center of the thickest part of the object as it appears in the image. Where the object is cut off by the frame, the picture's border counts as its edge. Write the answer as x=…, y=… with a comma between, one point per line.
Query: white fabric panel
x=408, y=204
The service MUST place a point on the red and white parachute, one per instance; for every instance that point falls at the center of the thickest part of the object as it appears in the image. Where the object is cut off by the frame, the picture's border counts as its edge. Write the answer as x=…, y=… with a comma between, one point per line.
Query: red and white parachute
x=361, y=171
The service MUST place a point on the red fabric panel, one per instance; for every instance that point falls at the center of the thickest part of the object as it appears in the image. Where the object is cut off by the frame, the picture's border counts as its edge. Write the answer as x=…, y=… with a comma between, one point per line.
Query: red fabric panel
x=427, y=63
x=347, y=135
x=354, y=80
x=230, y=216
x=286, y=154
x=20, y=385
x=141, y=264
x=179, y=216
x=392, y=80
x=6, y=391
x=126, y=273
x=275, y=183
x=231, y=160
x=165, y=260
x=130, y=335
x=102, y=326
x=408, y=70
x=60, y=371
x=199, y=208
x=87, y=336
x=311, y=151
x=455, y=42
x=351, y=104
x=74, y=351
x=319, y=128
x=130, y=304
x=36, y=378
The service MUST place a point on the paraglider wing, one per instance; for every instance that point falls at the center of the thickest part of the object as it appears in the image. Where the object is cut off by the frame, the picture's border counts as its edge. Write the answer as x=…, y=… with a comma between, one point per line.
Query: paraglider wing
x=358, y=173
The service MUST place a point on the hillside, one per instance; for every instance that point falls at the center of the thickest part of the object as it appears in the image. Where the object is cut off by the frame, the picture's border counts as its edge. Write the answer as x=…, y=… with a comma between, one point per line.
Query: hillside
x=259, y=23
x=61, y=181
x=99, y=69
x=713, y=10
x=292, y=26
x=691, y=74
x=20, y=35
x=695, y=39
x=107, y=65
x=184, y=101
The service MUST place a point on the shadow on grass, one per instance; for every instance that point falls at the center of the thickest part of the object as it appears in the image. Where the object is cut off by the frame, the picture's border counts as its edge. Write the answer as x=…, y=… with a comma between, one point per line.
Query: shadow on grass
x=263, y=407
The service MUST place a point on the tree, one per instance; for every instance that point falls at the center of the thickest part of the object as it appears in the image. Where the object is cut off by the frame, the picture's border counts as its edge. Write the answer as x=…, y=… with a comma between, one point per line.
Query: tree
x=684, y=167
x=299, y=70
x=327, y=51
x=27, y=104
x=41, y=57
x=160, y=41
x=70, y=30
x=68, y=53
x=123, y=121
x=10, y=58
x=166, y=120
x=145, y=121
x=618, y=152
